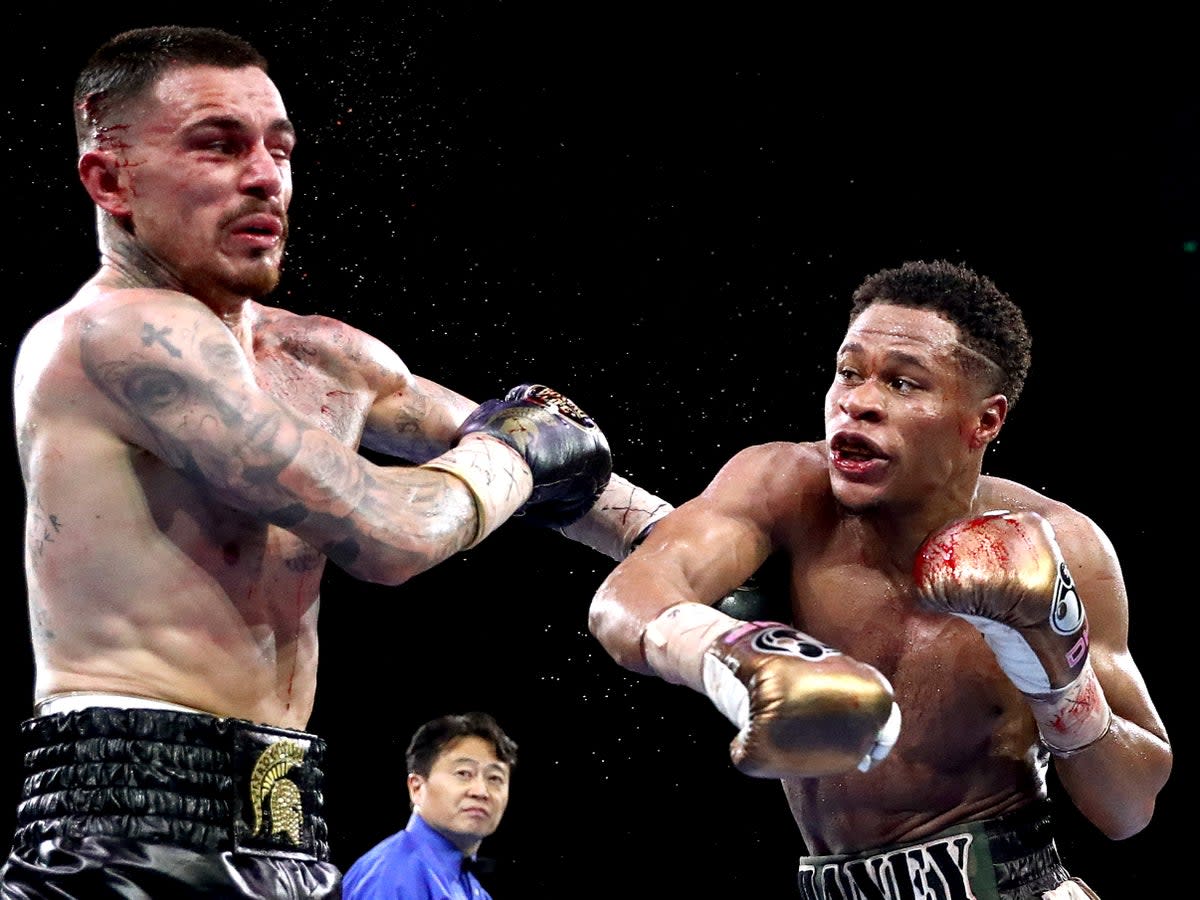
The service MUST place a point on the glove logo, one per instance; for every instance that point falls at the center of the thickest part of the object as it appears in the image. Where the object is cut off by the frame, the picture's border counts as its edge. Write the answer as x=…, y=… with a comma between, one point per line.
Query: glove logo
x=1066, y=616
x=789, y=642
x=553, y=400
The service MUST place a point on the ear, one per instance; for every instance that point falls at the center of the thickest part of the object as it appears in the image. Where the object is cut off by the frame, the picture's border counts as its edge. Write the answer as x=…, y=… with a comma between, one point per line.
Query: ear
x=105, y=181
x=415, y=783
x=992, y=413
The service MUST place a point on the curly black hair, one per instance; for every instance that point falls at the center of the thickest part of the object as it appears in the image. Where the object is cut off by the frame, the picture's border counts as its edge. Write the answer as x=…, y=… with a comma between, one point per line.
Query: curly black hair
x=988, y=321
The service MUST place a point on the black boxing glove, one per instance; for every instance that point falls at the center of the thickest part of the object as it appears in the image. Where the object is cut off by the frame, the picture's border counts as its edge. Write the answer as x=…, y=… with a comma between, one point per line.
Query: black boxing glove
x=566, y=452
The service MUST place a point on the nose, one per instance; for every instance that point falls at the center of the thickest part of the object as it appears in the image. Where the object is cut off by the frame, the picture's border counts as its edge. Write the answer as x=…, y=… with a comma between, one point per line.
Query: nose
x=262, y=176
x=863, y=401
x=478, y=787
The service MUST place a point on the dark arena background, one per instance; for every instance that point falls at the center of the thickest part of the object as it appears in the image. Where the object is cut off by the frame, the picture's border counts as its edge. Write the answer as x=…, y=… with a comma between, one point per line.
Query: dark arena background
x=662, y=213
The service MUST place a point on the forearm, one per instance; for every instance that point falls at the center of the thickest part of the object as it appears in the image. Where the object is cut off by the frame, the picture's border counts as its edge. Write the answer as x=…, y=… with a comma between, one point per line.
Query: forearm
x=618, y=519
x=632, y=597
x=404, y=520
x=1115, y=782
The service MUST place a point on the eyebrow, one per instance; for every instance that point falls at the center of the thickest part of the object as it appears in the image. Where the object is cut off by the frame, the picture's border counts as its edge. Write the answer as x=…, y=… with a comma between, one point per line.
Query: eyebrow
x=497, y=766
x=894, y=355
x=278, y=126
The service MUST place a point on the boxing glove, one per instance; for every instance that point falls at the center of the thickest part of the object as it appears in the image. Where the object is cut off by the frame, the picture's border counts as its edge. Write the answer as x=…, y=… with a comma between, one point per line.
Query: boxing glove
x=567, y=454
x=1004, y=572
x=802, y=708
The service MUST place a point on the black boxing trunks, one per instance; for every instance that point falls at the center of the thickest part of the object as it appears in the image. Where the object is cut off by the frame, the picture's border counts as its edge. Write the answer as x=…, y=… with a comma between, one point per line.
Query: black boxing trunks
x=157, y=803
x=1012, y=857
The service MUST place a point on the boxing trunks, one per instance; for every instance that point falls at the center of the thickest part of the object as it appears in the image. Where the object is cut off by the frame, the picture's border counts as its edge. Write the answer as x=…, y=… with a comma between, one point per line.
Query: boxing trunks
x=1012, y=857
x=160, y=803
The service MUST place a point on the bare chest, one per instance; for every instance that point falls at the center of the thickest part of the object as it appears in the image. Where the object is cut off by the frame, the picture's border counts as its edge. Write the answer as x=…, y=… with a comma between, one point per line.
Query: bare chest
x=944, y=675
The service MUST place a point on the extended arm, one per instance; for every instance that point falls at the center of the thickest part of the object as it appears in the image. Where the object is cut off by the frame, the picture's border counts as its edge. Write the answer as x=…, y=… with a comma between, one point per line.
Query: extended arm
x=801, y=708
x=416, y=419
x=182, y=389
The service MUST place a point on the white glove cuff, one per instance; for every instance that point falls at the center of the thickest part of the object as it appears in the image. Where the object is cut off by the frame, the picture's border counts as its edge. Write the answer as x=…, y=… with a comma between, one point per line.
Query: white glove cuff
x=726, y=691
x=618, y=517
x=1072, y=719
x=497, y=477
x=884, y=741
x=675, y=642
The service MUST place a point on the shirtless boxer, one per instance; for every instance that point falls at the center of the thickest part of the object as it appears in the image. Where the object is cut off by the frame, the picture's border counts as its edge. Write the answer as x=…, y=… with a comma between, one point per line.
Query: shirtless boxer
x=190, y=461
x=997, y=615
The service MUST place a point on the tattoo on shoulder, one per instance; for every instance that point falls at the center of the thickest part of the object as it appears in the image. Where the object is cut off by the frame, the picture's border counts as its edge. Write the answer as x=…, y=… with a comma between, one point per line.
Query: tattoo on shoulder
x=152, y=336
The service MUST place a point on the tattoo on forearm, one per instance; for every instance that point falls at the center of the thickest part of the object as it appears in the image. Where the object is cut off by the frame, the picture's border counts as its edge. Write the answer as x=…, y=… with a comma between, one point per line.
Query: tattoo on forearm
x=415, y=411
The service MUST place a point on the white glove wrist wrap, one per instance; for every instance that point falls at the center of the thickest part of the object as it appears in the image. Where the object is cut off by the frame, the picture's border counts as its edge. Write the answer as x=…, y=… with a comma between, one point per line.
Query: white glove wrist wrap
x=497, y=477
x=618, y=517
x=726, y=691
x=1075, y=717
x=676, y=641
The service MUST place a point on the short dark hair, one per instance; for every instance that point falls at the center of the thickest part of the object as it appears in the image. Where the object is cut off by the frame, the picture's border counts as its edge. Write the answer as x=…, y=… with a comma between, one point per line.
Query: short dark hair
x=129, y=63
x=434, y=736
x=988, y=321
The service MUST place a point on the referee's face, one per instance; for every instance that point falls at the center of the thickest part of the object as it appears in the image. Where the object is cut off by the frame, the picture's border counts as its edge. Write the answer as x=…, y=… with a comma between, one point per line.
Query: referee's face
x=466, y=792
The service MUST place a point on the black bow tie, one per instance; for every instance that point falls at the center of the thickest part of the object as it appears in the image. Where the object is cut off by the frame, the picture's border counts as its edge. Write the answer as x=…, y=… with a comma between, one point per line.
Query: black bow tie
x=480, y=865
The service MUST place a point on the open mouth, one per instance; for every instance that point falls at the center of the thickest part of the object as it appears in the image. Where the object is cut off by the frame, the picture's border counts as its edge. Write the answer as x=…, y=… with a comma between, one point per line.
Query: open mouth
x=854, y=448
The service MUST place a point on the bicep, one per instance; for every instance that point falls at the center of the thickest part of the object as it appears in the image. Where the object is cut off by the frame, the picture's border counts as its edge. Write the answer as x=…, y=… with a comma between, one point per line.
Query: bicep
x=714, y=542
x=187, y=394
x=705, y=549
x=414, y=418
x=1101, y=586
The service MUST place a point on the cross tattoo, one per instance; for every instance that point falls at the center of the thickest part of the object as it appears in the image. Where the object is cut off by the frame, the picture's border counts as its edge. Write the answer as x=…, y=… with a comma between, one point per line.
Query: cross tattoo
x=152, y=335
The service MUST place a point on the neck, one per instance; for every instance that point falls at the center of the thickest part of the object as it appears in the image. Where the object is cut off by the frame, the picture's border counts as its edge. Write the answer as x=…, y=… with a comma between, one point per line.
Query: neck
x=125, y=263
x=897, y=533
x=466, y=844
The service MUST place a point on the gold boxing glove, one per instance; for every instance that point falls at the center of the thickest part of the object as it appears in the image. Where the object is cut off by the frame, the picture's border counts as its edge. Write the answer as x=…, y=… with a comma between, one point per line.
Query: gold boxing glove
x=802, y=709
x=1005, y=574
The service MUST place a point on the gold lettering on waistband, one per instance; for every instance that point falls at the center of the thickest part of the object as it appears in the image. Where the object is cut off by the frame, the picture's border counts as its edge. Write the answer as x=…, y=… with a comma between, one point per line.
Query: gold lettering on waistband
x=268, y=785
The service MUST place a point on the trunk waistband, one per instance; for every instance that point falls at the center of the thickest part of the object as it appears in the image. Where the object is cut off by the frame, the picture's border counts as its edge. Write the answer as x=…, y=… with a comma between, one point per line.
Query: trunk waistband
x=73, y=701
x=1005, y=858
x=164, y=776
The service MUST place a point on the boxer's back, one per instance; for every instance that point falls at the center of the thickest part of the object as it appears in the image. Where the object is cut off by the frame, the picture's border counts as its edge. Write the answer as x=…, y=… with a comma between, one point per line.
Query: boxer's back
x=140, y=581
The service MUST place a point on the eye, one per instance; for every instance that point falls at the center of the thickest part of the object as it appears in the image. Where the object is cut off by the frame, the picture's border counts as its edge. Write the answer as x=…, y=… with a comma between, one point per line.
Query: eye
x=224, y=146
x=281, y=151
x=497, y=780
x=847, y=373
x=904, y=385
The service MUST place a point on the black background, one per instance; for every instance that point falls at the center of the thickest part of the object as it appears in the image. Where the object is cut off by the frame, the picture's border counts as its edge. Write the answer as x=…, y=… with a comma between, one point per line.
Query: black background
x=662, y=213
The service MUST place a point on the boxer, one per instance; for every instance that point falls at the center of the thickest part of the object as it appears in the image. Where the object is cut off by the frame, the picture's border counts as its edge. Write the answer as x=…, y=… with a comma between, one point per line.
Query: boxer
x=996, y=642
x=190, y=457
